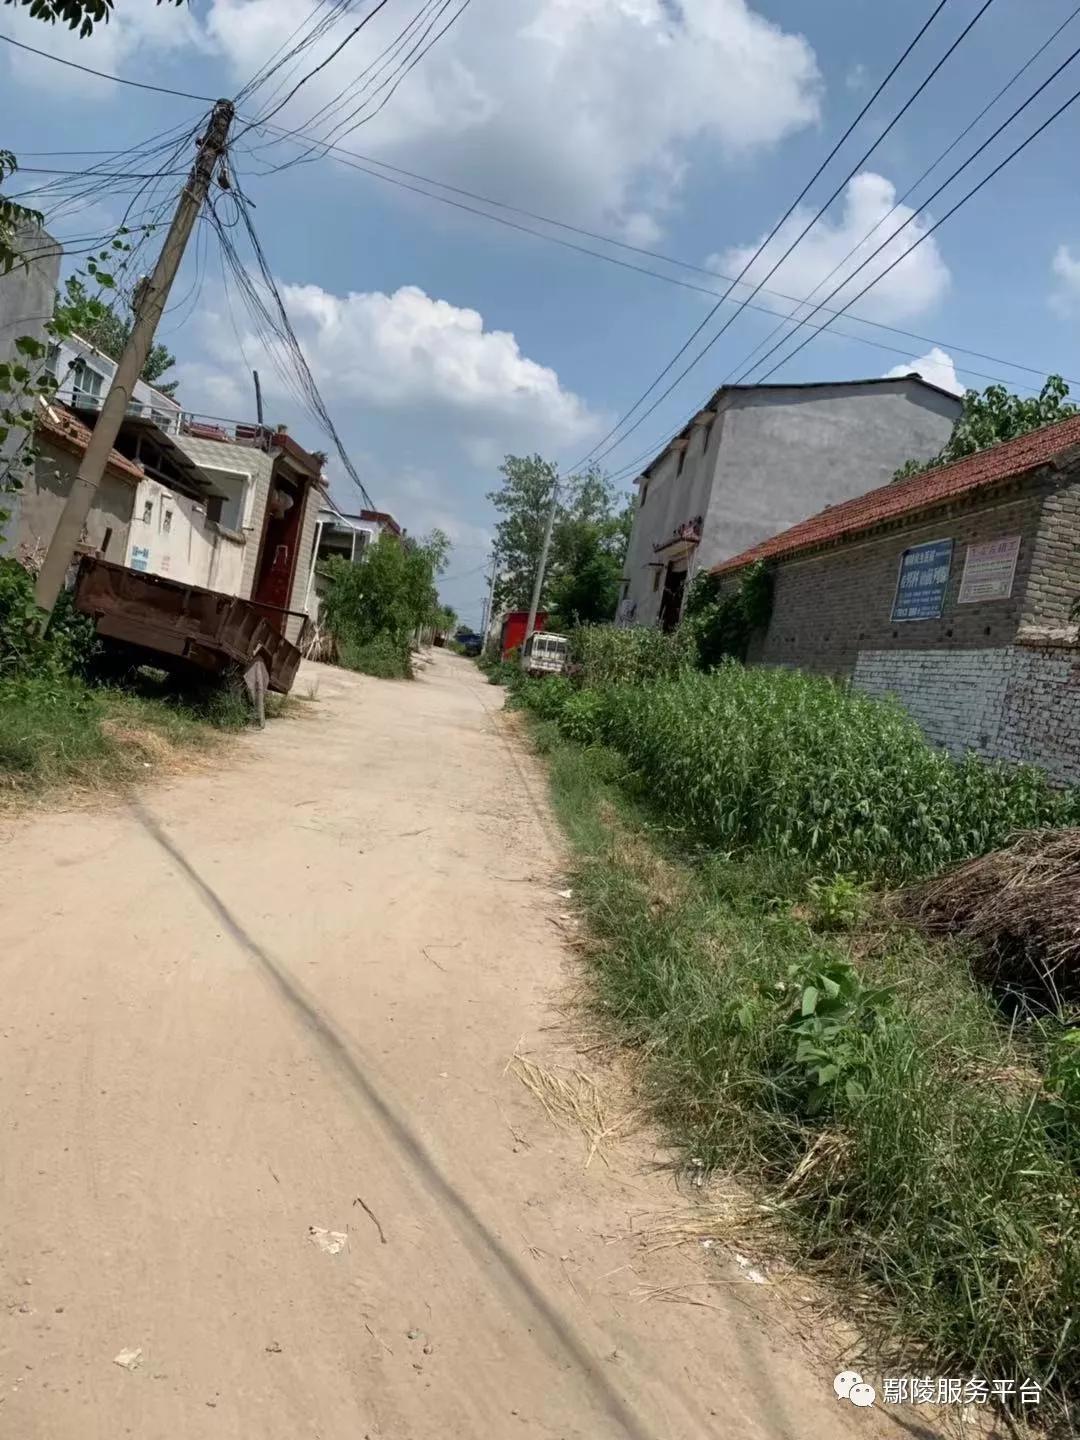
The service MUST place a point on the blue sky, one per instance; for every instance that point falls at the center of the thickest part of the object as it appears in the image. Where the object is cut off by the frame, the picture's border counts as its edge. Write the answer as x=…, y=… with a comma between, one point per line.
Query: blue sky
x=441, y=340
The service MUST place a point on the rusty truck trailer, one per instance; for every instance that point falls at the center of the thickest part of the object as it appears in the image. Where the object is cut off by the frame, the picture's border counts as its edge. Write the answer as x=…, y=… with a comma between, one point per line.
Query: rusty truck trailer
x=165, y=623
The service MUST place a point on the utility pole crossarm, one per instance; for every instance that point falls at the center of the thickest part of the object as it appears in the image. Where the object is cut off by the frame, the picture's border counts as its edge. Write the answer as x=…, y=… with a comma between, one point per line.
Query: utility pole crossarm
x=150, y=304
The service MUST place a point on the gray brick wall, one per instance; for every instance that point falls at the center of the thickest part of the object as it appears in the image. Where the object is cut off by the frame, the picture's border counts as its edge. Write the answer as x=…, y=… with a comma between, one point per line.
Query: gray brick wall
x=1015, y=703
x=1054, y=584
x=827, y=608
x=957, y=696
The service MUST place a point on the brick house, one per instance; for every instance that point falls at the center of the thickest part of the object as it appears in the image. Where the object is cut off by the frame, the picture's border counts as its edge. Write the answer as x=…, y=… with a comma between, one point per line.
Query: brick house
x=951, y=590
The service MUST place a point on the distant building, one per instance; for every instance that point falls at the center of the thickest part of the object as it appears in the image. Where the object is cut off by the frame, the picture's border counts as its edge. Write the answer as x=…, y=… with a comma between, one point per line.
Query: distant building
x=758, y=458
x=346, y=535
x=952, y=590
x=84, y=373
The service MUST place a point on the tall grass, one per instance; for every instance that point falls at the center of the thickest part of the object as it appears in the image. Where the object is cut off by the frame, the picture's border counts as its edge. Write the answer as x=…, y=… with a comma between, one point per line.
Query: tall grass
x=635, y=654
x=57, y=730
x=804, y=767
x=860, y=1079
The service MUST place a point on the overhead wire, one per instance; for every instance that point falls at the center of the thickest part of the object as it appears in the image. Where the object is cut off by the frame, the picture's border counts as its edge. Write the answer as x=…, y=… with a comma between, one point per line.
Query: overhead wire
x=869, y=259
x=936, y=226
x=597, y=450
x=838, y=267
x=104, y=75
x=359, y=83
x=391, y=83
x=289, y=63
x=305, y=79
x=267, y=68
x=342, y=98
x=356, y=161
x=266, y=308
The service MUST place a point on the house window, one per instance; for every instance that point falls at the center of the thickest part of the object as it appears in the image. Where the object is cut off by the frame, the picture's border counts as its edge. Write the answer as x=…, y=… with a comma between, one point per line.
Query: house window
x=706, y=431
x=86, y=382
x=656, y=579
x=644, y=490
x=52, y=360
x=682, y=461
x=147, y=512
x=166, y=521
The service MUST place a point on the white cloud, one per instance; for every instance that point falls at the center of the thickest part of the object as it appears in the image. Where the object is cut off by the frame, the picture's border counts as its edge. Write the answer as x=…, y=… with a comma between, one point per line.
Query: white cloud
x=411, y=352
x=915, y=285
x=1066, y=270
x=936, y=366
x=856, y=77
x=208, y=389
x=428, y=360
x=588, y=107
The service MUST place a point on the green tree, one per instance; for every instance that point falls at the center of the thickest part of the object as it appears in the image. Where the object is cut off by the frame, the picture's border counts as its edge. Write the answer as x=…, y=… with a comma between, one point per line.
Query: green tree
x=108, y=329
x=589, y=550
x=996, y=415
x=523, y=500
x=81, y=15
x=374, y=609
x=588, y=541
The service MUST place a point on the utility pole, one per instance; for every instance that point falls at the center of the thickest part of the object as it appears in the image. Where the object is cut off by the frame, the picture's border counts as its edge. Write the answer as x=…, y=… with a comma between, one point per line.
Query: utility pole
x=538, y=583
x=489, y=603
x=150, y=302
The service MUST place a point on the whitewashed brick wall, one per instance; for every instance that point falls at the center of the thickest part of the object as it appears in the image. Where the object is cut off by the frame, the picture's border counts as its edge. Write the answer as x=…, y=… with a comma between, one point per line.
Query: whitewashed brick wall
x=1009, y=703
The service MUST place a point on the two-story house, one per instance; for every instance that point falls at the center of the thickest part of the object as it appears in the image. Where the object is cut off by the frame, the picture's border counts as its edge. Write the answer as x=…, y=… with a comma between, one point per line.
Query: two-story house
x=759, y=458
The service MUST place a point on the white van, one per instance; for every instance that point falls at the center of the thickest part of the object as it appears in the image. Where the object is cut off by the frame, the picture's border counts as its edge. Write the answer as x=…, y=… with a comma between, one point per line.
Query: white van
x=546, y=654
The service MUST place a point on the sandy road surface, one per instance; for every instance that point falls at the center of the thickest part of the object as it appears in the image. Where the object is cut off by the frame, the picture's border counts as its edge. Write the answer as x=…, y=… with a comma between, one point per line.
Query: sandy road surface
x=234, y=1006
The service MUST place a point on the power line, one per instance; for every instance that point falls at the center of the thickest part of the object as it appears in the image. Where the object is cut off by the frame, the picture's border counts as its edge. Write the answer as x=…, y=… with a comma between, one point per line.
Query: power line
x=357, y=85
x=760, y=249
x=259, y=78
x=380, y=4
x=837, y=268
x=352, y=159
x=102, y=75
x=963, y=201
x=418, y=52
x=266, y=308
x=929, y=200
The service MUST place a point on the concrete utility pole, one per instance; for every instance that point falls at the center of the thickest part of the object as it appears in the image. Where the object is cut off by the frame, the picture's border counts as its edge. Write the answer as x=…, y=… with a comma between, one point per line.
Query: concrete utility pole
x=150, y=302
x=489, y=603
x=538, y=583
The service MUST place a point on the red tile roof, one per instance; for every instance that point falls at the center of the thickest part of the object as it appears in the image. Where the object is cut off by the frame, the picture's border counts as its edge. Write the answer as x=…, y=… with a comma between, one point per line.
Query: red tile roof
x=64, y=428
x=917, y=493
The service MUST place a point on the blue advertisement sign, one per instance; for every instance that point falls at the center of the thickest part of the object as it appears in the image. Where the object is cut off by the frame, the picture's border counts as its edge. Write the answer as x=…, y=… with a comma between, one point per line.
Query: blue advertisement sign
x=923, y=580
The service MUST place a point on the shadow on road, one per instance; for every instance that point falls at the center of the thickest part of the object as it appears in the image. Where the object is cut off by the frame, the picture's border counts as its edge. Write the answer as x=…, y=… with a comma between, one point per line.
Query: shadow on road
x=476, y=1234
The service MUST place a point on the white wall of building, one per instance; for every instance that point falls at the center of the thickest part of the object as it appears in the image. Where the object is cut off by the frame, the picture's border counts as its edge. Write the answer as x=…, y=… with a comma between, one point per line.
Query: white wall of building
x=171, y=535
x=772, y=456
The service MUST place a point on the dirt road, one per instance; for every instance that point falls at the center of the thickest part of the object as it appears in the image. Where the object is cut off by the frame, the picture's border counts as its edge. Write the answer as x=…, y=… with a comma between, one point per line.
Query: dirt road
x=282, y=994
